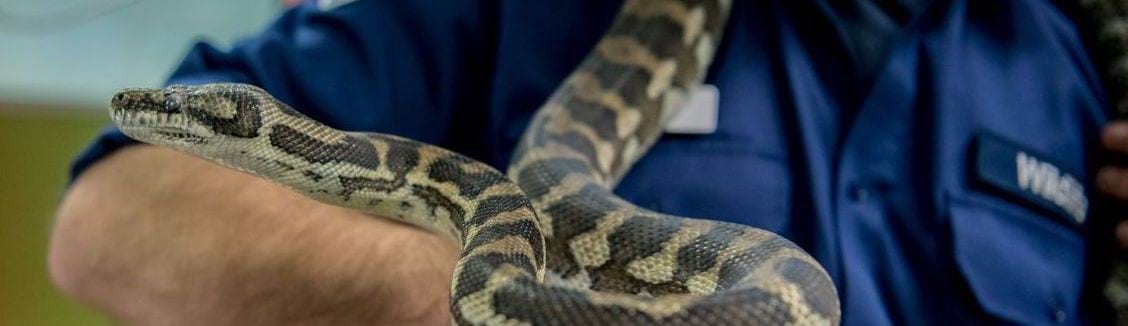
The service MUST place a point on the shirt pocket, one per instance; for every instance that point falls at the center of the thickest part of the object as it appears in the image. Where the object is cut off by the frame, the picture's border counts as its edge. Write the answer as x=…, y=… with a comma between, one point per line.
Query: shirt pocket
x=1020, y=265
x=725, y=181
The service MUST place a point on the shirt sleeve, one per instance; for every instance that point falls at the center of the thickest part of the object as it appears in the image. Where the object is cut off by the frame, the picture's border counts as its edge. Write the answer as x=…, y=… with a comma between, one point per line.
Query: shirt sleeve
x=385, y=66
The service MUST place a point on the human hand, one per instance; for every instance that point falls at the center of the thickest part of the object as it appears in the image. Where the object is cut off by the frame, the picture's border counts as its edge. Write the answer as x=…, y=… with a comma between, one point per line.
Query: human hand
x=1112, y=180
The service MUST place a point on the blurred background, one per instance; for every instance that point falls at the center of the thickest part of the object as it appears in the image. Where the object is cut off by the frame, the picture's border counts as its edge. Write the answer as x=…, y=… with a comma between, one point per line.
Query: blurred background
x=60, y=62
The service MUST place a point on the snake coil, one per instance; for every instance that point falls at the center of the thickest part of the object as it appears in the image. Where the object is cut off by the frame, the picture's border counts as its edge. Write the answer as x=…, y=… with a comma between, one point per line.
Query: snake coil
x=549, y=243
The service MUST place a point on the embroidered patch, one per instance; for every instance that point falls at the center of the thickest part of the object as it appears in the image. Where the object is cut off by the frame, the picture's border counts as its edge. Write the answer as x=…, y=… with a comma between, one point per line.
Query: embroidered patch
x=1031, y=177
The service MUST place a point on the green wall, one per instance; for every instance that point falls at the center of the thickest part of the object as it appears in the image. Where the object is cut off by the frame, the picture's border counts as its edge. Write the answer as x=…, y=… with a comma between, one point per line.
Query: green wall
x=64, y=59
x=35, y=152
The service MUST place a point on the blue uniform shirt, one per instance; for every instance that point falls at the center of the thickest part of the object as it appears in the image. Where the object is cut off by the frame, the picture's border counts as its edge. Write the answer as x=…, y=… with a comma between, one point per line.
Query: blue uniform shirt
x=950, y=185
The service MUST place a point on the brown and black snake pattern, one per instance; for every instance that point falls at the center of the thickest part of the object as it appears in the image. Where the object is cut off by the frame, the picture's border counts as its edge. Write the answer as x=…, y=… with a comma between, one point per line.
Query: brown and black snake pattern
x=568, y=253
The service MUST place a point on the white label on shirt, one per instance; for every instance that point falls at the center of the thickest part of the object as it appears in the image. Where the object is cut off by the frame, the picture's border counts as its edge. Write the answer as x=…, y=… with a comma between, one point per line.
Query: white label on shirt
x=699, y=113
x=1046, y=180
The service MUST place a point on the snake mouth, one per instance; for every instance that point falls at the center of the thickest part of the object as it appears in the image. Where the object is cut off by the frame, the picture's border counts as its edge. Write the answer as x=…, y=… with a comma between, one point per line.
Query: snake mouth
x=158, y=127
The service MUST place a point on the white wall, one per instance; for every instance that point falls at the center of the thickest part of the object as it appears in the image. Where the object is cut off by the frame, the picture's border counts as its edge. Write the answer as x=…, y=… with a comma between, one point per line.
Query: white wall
x=50, y=54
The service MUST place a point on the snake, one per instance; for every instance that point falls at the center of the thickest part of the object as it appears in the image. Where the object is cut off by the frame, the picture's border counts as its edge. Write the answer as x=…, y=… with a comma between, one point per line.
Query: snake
x=547, y=242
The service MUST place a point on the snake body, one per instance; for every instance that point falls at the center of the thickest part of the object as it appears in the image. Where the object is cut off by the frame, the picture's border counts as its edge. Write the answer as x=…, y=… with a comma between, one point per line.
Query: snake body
x=549, y=243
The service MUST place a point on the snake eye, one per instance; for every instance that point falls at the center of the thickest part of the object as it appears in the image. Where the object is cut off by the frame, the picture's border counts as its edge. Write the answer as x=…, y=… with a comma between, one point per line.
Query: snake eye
x=173, y=102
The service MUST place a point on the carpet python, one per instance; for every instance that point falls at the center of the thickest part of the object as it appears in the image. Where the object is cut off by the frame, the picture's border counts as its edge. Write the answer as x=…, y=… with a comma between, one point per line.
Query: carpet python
x=549, y=244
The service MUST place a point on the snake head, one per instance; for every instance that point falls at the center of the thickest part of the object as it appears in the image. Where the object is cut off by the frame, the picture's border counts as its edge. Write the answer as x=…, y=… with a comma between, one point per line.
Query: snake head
x=192, y=117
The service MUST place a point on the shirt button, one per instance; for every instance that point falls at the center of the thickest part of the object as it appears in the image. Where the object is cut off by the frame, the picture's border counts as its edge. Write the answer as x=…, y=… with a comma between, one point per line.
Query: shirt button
x=1058, y=311
x=1059, y=315
x=858, y=193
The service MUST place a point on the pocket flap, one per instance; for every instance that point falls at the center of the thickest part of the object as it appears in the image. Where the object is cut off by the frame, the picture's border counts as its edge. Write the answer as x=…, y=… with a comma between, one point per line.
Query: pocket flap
x=1020, y=267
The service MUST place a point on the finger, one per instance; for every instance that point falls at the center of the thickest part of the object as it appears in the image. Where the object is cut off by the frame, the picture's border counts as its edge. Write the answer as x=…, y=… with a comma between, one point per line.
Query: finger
x=1113, y=181
x=1115, y=136
x=1122, y=234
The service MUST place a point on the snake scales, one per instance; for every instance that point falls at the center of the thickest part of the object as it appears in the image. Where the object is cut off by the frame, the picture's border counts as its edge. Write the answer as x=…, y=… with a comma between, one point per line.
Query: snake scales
x=570, y=252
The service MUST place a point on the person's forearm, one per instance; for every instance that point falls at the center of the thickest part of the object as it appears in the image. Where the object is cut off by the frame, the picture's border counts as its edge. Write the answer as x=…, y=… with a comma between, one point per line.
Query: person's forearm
x=154, y=236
